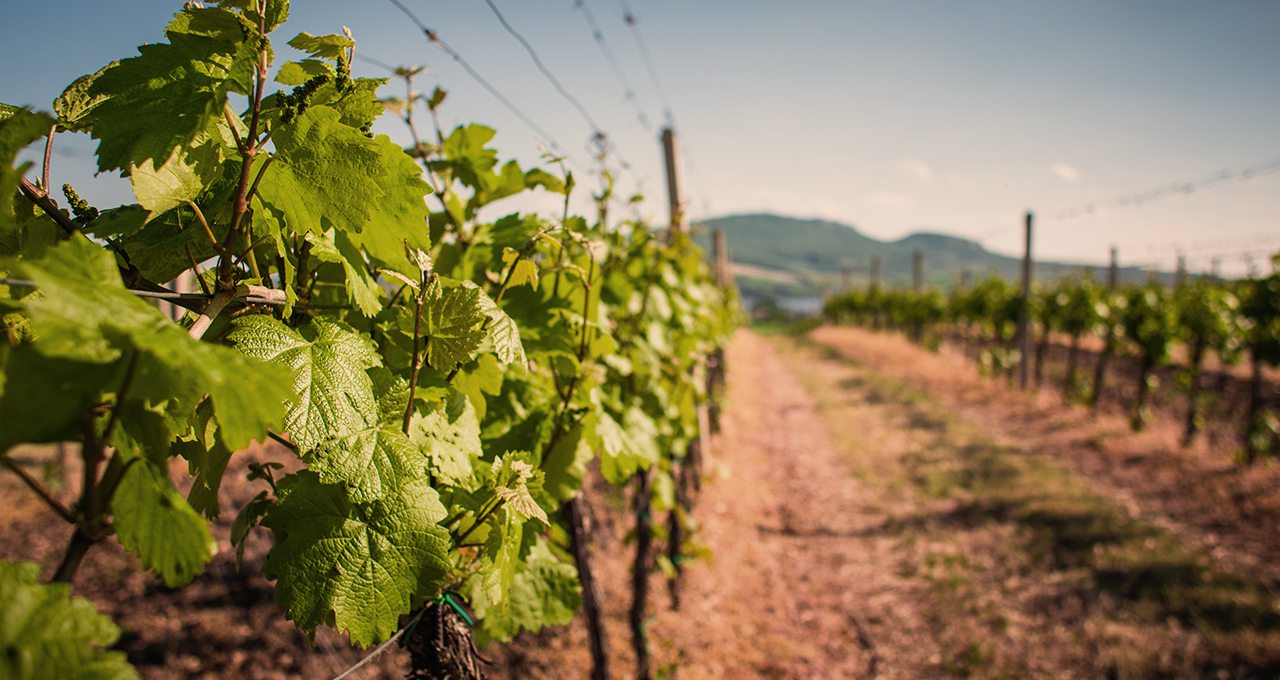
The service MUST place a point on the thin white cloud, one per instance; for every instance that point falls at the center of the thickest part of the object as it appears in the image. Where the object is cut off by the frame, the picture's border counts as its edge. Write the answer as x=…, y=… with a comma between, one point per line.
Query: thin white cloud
x=883, y=198
x=1065, y=172
x=915, y=167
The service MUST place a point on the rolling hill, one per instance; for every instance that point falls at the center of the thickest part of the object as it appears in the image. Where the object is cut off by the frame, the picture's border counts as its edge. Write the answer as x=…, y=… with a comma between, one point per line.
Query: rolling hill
x=791, y=257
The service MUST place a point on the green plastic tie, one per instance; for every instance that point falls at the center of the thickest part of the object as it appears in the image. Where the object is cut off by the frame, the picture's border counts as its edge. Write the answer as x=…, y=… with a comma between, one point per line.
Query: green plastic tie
x=447, y=598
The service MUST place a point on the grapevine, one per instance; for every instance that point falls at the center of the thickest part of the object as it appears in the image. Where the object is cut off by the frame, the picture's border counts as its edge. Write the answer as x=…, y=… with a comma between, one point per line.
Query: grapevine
x=445, y=382
x=1144, y=321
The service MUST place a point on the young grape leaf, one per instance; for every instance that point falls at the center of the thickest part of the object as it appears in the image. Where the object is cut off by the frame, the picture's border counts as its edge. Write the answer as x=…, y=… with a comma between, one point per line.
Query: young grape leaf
x=334, y=395
x=524, y=271
x=478, y=378
x=538, y=177
x=449, y=445
x=546, y=592
x=299, y=72
x=322, y=46
x=503, y=333
x=47, y=633
x=354, y=566
x=511, y=477
x=276, y=12
x=153, y=520
x=76, y=102
x=371, y=462
x=467, y=155
x=451, y=318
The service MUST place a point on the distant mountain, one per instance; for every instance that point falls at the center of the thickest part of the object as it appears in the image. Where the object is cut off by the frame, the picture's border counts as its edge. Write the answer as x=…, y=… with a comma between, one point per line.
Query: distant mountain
x=787, y=256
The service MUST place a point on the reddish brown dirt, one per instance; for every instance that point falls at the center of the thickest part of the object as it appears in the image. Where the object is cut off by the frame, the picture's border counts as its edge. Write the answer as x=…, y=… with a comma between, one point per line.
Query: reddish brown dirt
x=1212, y=501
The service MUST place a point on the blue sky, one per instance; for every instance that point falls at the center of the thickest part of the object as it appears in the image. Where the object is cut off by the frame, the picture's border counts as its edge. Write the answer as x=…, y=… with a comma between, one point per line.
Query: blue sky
x=892, y=116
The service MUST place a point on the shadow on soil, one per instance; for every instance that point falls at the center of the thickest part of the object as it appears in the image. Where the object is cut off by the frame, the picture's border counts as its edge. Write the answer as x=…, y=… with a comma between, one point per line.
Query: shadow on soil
x=1131, y=563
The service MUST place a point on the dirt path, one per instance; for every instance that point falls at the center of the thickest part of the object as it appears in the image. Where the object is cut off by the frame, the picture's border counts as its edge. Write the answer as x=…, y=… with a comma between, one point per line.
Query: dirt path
x=867, y=522
x=799, y=583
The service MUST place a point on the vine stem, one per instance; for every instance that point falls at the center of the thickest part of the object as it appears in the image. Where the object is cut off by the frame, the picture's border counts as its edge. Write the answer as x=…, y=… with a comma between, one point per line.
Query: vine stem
x=416, y=366
x=484, y=515
x=34, y=484
x=211, y=311
x=88, y=528
x=249, y=150
x=48, y=154
x=204, y=223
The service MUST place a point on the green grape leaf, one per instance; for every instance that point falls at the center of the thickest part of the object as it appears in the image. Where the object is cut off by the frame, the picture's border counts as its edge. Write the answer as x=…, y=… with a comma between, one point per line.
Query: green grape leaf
x=85, y=315
x=362, y=289
x=392, y=393
x=299, y=72
x=153, y=520
x=45, y=399
x=47, y=633
x=565, y=466
x=538, y=177
x=546, y=592
x=17, y=131
x=277, y=11
x=467, y=155
x=524, y=272
x=322, y=46
x=500, y=558
x=449, y=445
x=354, y=566
x=248, y=518
x=402, y=212
x=76, y=102
x=478, y=378
x=334, y=394
x=514, y=232
x=451, y=320
x=162, y=185
x=623, y=451
x=503, y=333
x=357, y=104
x=371, y=463
x=323, y=174
x=511, y=477
x=166, y=97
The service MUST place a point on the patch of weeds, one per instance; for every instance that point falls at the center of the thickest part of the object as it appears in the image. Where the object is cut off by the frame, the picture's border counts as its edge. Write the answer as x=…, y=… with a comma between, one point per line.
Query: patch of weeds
x=1160, y=574
x=949, y=575
x=1065, y=531
x=973, y=658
